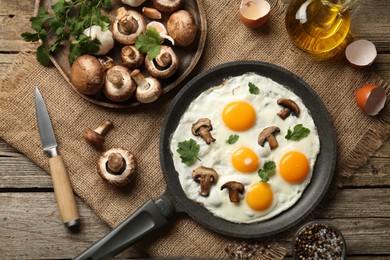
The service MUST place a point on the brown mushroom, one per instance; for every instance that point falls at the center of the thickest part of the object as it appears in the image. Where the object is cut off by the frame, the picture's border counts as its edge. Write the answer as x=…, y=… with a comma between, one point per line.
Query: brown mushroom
x=235, y=188
x=202, y=128
x=268, y=134
x=182, y=28
x=164, y=65
x=168, y=6
x=128, y=25
x=96, y=137
x=205, y=176
x=148, y=89
x=107, y=62
x=87, y=74
x=289, y=107
x=119, y=85
x=117, y=166
x=131, y=57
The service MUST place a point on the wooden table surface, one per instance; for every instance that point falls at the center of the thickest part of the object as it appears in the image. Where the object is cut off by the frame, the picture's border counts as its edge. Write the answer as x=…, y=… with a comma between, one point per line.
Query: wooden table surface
x=29, y=222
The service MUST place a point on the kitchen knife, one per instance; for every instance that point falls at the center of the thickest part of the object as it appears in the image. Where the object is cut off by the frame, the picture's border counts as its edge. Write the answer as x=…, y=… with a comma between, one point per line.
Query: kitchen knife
x=61, y=184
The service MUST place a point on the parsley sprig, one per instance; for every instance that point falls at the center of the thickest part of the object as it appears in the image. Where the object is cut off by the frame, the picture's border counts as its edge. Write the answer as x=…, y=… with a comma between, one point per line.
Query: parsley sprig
x=149, y=43
x=188, y=151
x=298, y=133
x=70, y=19
x=232, y=139
x=253, y=89
x=267, y=171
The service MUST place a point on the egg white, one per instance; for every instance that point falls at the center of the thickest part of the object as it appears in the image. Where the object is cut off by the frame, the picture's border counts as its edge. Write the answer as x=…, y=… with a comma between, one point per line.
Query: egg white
x=217, y=155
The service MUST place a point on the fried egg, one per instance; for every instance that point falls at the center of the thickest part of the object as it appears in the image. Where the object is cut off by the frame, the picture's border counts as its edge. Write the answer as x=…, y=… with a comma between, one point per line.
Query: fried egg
x=233, y=110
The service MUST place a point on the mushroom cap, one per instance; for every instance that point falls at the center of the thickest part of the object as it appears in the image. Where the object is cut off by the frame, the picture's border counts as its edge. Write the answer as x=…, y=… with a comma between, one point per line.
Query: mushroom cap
x=288, y=103
x=93, y=138
x=168, y=6
x=119, y=93
x=234, y=185
x=87, y=74
x=159, y=71
x=151, y=93
x=125, y=177
x=181, y=26
x=267, y=132
x=128, y=38
x=131, y=57
x=203, y=170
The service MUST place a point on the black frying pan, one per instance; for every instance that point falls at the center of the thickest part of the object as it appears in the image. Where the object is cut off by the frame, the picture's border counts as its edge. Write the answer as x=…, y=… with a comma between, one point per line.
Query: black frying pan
x=155, y=213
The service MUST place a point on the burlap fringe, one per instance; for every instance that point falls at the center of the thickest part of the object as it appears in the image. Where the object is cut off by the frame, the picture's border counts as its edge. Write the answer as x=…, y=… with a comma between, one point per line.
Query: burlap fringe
x=255, y=250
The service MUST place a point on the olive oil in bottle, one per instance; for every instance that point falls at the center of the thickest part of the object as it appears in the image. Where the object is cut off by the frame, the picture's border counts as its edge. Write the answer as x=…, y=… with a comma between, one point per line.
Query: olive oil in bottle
x=318, y=26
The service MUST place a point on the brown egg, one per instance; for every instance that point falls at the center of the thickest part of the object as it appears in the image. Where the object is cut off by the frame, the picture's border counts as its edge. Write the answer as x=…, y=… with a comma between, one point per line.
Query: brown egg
x=371, y=99
x=254, y=13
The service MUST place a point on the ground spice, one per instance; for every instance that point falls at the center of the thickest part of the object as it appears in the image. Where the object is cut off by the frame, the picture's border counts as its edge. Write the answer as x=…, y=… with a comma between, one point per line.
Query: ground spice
x=318, y=241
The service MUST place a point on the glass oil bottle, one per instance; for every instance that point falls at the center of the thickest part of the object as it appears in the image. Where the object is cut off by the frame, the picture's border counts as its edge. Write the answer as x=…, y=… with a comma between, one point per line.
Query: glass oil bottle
x=318, y=26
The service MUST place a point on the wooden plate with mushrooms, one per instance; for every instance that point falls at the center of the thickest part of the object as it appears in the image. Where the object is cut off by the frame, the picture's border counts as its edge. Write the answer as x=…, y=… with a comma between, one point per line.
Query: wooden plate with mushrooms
x=185, y=57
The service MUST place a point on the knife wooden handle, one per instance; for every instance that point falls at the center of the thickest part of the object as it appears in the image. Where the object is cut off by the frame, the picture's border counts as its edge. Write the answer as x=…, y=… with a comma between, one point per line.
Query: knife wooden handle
x=63, y=192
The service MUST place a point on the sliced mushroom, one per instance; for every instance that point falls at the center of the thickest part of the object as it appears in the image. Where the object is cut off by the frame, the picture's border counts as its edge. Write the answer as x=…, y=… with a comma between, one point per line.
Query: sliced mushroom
x=96, y=137
x=128, y=25
x=151, y=13
x=164, y=65
x=119, y=85
x=235, y=189
x=268, y=134
x=87, y=74
x=131, y=57
x=168, y=6
x=205, y=176
x=202, y=128
x=289, y=107
x=149, y=89
x=181, y=26
x=117, y=166
x=107, y=62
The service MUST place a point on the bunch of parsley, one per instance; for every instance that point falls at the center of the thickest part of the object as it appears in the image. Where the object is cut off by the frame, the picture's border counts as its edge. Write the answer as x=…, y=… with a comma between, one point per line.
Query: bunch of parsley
x=67, y=23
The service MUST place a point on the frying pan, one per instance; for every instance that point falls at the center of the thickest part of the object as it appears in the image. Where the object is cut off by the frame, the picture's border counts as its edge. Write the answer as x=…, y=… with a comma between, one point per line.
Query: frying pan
x=156, y=212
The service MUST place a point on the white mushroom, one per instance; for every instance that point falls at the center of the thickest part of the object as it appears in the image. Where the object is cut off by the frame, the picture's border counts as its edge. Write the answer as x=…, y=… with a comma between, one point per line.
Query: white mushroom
x=128, y=25
x=164, y=65
x=105, y=38
x=117, y=166
x=131, y=57
x=87, y=74
x=149, y=89
x=182, y=28
x=168, y=6
x=133, y=3
x=118, y=86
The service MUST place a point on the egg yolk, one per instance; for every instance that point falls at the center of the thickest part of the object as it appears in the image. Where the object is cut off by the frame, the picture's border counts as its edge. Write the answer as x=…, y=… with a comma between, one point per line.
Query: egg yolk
x=294, y=167
x=259, y=196
x=239, y=116
x=245, y=160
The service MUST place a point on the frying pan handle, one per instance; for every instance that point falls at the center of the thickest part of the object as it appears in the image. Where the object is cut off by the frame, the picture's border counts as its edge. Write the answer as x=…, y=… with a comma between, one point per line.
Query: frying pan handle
x=149, y=217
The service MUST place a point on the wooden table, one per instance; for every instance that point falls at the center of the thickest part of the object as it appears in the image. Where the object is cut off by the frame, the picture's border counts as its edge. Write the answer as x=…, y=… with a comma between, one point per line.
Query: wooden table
x=29, y=221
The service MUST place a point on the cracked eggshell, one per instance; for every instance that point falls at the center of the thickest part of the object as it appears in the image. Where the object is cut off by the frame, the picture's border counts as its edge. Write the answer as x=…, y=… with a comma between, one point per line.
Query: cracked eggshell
x=371, y=99
x=254, y=13
x=361, y=53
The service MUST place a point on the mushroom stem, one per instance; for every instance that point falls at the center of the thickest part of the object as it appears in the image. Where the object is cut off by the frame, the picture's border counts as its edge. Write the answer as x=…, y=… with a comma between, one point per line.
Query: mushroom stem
x=164, y=60
x=127, y=24
x=115, y=77
x=104, y=128
x=115, y=164
x=141, y=81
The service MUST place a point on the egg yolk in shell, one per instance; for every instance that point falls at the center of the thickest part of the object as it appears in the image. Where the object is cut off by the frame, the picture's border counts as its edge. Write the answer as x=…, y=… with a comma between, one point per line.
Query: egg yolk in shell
x=239, y=116
x=259, y=196
x=294, y=167
x=245, y=160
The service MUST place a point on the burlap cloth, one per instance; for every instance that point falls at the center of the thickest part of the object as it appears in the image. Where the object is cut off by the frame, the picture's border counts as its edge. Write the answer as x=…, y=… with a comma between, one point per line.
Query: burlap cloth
x=138, y=129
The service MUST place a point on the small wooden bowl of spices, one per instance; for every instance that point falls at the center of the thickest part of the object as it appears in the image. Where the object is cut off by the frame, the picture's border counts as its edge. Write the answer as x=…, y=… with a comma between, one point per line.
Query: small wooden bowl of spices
x=318, y=240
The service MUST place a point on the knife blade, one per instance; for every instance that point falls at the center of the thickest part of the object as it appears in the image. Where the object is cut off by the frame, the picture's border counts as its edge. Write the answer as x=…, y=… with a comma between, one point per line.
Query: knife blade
x=62, y=188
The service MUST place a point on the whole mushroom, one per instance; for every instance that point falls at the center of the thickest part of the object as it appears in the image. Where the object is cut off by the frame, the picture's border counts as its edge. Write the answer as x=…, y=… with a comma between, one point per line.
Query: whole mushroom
x=131, y=57
x=128, y=25
x=182, y=28
x=164, y=65
x=119, y=86
x=96, y=137
x=168, y=6
x=87, y=74
x=117, y=166
x=149, y=89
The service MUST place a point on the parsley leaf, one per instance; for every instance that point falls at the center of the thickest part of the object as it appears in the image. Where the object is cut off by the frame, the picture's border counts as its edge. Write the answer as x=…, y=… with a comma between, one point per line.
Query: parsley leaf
x=298, y=133
x=267, y=171
x=188, y=151
x=43, y=55
x=232, y=139
x=149, y=43
x=253, y=89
